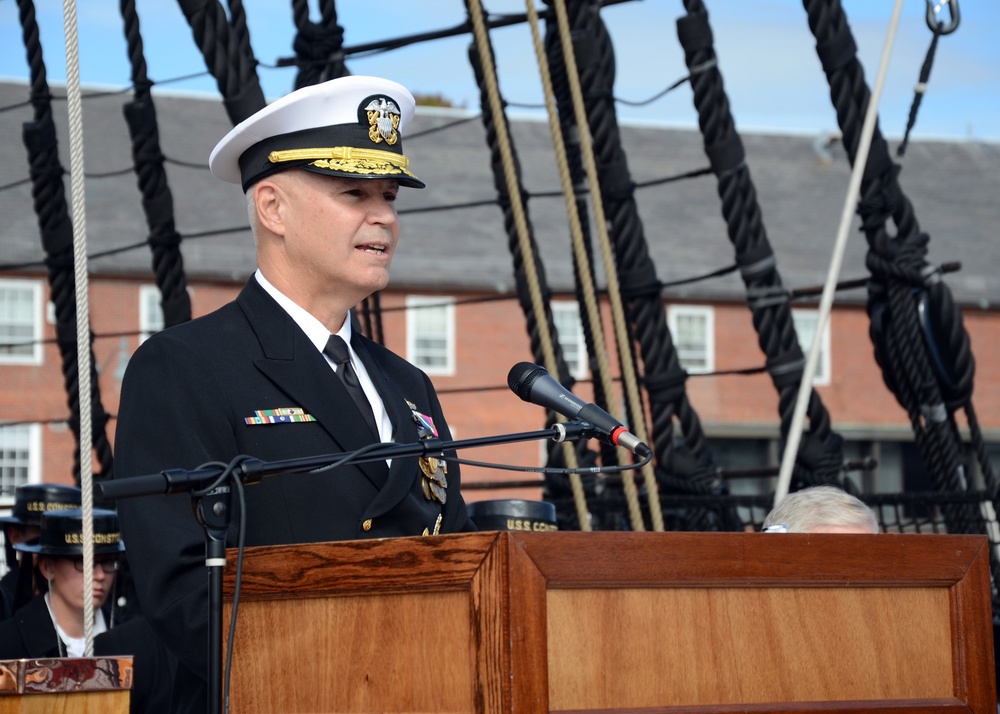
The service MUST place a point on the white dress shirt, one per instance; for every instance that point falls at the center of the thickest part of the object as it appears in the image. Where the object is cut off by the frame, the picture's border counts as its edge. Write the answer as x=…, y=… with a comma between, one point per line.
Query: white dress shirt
x=319, y=335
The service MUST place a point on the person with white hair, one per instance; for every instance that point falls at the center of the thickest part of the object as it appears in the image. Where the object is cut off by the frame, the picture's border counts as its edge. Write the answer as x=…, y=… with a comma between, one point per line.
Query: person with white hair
x=821, y=509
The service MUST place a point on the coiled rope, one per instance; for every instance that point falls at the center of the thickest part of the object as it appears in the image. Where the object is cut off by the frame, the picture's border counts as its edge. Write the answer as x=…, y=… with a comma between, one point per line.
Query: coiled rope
x=900, y=279
x=319, y=47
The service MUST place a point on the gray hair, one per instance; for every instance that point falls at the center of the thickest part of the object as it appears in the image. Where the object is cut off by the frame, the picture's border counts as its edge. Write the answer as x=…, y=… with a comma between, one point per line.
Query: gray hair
x=816, y=507
x=251, y=212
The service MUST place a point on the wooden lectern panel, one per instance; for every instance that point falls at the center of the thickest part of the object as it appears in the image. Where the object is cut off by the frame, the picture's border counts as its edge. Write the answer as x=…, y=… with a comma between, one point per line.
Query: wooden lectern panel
x=733, y=646
x=411, y=649
x=407, y=624
x=679, y=623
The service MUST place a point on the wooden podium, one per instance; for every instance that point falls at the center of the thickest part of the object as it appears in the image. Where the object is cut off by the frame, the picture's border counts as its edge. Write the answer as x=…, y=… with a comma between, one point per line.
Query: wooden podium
x=638, y=622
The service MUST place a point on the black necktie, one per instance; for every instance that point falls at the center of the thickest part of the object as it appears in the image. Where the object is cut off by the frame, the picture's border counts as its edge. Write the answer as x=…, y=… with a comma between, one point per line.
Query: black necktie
x=336, y=349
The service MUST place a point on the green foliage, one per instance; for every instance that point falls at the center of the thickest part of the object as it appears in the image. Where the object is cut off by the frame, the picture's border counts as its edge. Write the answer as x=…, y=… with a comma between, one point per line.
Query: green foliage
x=433, y=100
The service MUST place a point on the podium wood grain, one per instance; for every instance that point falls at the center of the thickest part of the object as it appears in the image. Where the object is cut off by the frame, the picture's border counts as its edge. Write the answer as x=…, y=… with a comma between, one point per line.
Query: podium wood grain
x=634, y=622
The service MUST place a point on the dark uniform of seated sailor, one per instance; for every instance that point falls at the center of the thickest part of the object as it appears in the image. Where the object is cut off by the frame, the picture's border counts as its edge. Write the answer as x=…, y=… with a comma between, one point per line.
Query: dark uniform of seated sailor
x=51, y=624
x=22, y=526
x=280, y=373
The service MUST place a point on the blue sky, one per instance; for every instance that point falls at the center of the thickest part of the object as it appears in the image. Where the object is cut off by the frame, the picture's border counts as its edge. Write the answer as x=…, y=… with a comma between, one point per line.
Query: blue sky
x=765, y=50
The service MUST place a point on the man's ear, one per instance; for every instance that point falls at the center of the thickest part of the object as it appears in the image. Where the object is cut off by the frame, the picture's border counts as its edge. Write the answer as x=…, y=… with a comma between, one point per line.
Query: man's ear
x=269, y=202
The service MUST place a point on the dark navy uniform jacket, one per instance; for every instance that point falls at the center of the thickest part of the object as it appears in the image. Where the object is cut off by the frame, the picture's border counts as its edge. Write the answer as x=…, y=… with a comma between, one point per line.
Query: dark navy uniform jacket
x=186, y=400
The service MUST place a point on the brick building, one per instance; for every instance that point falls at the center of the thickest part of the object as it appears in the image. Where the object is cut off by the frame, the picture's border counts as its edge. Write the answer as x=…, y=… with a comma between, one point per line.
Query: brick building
x=456, y=259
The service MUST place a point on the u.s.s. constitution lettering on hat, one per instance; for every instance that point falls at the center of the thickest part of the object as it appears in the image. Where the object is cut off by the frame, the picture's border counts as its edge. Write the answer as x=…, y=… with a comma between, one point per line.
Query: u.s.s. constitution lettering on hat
x=62, y=533
x=350, y=126
x=31, y=500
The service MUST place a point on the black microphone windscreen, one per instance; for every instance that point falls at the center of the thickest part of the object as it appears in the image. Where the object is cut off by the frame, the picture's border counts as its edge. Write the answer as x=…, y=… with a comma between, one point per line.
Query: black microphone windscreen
x=535, y=385
x=521, y=376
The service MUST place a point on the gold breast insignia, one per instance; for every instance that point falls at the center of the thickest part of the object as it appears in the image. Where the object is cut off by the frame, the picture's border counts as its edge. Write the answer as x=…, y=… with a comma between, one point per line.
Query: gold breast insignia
x=434, y=481
x=433, y=469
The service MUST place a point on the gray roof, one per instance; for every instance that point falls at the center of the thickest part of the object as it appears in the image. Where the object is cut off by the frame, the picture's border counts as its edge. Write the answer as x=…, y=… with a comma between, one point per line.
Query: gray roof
x=801, y=183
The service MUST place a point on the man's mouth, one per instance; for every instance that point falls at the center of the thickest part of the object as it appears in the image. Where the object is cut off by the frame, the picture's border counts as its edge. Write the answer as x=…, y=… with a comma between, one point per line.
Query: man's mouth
x=373, y=249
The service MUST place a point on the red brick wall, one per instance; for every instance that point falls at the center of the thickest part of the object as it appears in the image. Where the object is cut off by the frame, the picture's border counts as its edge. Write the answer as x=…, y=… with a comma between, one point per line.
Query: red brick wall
x=491, y=338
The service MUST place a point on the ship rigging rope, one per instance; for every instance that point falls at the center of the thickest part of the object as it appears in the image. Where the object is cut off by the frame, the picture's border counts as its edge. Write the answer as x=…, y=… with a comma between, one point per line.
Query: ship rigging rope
x=319, y=47
x=820, y=460
x=917, y=331
x=157, y=199
x=517, y=207
x=905, y=353
x=49, y=198
x=77, y=183
x=836, y=260
x=614, y=294
x=683, y=463
x=523, y=288
x=228, y=53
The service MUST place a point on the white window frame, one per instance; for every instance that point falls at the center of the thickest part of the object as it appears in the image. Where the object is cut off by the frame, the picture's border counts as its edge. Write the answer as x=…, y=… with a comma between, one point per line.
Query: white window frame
x=579, y=368
x=707, y=313
x=416, y=304
x=800, y=318
x=33, y=443
x=151, y=318
x=37, y=352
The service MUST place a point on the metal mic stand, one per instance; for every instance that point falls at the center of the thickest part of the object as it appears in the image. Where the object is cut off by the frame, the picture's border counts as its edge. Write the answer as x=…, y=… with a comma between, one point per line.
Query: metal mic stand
x=213, y=509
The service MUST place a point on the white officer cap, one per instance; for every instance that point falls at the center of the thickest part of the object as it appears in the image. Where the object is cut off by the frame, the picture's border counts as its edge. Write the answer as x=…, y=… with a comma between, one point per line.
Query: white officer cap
x=350, y=126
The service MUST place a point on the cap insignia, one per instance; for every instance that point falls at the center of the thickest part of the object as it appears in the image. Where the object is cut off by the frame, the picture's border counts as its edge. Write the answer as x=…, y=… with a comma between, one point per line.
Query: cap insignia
x=383, y=120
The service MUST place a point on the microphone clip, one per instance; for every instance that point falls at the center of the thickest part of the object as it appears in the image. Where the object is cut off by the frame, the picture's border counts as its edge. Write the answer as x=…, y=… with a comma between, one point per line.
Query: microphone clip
x=573, y=431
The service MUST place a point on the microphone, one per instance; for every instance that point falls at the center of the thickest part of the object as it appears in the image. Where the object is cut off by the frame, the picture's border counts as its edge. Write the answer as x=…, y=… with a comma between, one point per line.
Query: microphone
x=535, y=385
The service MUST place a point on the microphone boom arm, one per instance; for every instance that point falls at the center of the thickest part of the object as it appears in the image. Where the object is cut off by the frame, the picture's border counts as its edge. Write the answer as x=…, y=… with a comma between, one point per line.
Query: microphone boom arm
x=251, y=470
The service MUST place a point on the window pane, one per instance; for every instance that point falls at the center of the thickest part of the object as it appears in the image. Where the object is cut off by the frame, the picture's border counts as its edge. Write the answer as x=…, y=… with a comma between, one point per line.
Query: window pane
x=691, y=339
x=566, y=317
x=430, y=333
x=691, y=328
x=150, y=311
x=805, y=327
x=18, y=322
x=15, y=459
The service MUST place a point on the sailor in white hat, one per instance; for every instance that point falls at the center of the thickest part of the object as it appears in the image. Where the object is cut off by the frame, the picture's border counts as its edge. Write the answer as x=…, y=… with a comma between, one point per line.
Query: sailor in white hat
x=280, y=373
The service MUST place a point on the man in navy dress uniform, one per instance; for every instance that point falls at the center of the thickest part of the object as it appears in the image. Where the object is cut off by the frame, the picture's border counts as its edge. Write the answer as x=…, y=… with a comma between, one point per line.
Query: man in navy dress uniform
x=262, y=376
